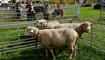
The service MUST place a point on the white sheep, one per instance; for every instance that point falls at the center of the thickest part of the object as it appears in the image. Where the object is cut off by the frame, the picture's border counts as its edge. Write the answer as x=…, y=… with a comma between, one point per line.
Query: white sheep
x=50, y=25
x=43, y=24
x=39, y=23
x=55, y=38
x=79, y=27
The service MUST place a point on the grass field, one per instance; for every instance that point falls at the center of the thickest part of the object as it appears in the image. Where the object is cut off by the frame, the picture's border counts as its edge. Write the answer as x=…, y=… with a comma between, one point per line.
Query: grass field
x=83, y=52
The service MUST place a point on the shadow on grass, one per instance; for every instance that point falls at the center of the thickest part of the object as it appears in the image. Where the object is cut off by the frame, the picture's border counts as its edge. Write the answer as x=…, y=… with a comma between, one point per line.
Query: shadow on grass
x=83, y=53
x=29, y=54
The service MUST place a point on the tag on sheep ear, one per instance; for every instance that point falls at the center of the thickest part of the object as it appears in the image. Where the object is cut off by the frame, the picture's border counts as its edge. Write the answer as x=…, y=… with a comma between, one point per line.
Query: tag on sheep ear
x=32, y=31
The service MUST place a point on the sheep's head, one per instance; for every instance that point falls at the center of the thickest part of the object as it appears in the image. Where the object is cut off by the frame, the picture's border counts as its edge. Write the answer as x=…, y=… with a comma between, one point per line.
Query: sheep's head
x=86, y=26
x=31, y=31
x=40, y=23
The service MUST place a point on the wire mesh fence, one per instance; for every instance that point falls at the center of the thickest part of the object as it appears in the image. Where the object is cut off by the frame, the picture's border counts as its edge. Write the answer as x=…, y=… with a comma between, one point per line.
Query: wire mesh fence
x=10, y=14
x=72, y=11
x=12, y=28
x=12, y=38
x=12, y=31
x=96, y=37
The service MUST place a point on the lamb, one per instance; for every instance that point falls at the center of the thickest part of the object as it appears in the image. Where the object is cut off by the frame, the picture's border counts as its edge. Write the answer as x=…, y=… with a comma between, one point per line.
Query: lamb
x=39, y=23
x=50, y=25
x=55, y=38
x=79, y=27
x=43, y=24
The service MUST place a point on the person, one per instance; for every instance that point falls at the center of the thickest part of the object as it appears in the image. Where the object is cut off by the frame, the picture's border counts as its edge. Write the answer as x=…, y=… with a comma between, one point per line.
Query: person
x=82, y=1
x=30, y=11
x=77, y=1
x=56, y=11
x=17, y=8
x=45, y=13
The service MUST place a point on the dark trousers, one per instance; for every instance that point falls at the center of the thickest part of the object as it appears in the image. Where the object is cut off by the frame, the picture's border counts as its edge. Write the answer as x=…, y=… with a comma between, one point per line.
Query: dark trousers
x=46, y=16
x=30, y=15
x=18, y=14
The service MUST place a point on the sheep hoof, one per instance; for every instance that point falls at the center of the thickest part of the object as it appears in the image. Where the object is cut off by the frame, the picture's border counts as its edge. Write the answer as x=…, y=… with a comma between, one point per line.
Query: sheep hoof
x=70, y=58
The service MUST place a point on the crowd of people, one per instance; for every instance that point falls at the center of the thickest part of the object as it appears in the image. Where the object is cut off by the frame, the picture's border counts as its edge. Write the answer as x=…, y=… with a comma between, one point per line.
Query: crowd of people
x=32, y=9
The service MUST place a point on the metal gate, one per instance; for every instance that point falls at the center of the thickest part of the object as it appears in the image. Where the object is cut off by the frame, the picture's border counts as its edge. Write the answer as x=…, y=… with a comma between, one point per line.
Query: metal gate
x=12, y=33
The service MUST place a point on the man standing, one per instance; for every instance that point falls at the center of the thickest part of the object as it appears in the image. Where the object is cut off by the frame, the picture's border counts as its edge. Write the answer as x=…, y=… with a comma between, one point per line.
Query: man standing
x=17, y=8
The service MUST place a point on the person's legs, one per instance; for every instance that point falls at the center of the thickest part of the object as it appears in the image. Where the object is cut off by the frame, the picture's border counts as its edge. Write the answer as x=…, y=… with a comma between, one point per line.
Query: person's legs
x=18, y=14
x=29, y=16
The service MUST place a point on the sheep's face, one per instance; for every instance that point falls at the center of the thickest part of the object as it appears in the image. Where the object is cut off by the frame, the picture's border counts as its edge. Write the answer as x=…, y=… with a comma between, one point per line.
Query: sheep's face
x=40, y=23
x=87, y=26
x=36, y=22
x=30, y=31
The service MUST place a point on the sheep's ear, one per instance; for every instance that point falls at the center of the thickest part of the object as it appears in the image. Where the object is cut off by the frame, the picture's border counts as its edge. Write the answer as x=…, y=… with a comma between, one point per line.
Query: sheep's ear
x=91, y=24
x=32, y=31
x=83, y=26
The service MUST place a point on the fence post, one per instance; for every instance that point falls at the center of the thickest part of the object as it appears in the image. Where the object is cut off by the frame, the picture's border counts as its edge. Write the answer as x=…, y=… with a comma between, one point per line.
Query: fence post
x=6, y=17
x=19, y=34
x=36, y=43
x=78, y=11
x=92, y=37
x=5, y=14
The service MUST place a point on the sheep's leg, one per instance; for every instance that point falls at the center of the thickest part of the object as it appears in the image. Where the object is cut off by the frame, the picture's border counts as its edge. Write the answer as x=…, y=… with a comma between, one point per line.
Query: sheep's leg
x=75, y=47
x=71, y=50
x=74, y=53
x=46, y=52
x=53, y=54
x=57, y=50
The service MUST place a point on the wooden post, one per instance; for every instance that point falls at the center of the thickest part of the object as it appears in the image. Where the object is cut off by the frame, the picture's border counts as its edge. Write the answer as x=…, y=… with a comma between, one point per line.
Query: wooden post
x=36, y=43
x=92, y=37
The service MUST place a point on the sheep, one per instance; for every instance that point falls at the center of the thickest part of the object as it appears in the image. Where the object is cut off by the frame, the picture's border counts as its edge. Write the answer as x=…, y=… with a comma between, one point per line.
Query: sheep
x=79, y=27
x=43, y=24
x=50, y=25
x=55, y=38
x=39, y=23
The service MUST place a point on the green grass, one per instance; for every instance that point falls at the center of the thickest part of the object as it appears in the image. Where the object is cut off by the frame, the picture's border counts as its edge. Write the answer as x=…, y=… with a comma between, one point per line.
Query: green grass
x=89, y=13
x=83, y=52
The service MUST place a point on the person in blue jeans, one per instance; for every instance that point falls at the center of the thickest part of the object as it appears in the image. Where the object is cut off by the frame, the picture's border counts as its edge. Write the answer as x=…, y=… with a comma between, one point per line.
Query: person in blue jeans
x=45, y=13
x=32, y=12
x=17, y=8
